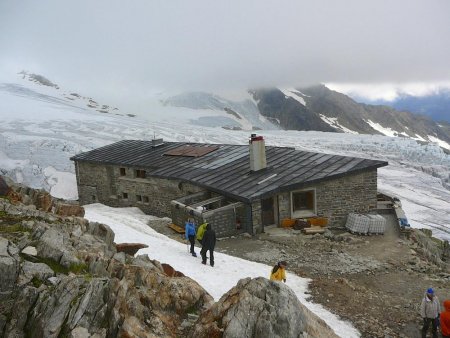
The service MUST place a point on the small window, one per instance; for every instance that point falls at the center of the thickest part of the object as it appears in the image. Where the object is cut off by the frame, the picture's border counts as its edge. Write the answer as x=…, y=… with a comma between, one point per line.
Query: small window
x=303, y=203
x=125, y=196
x=145, y=199
x=123, y=172
x=140, y=173
x=139, y=198
x=94, y=198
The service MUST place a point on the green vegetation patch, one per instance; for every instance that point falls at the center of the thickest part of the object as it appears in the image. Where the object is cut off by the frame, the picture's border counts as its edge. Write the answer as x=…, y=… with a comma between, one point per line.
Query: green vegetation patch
x=9, y=228
x=36, y=282
x=78, y=269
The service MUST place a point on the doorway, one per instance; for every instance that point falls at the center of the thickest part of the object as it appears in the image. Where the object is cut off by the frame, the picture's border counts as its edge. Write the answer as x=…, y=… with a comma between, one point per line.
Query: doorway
x=267, y=212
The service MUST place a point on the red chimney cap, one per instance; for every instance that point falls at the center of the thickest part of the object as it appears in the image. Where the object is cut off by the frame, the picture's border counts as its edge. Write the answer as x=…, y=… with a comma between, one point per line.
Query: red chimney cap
x=256, y=138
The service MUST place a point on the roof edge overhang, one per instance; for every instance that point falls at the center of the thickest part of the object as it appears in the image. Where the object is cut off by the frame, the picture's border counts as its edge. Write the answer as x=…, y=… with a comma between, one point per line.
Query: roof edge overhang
x=247, y=200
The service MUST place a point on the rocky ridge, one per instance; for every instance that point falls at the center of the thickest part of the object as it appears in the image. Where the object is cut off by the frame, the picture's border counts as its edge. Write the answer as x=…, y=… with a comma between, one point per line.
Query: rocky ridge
x=63, y=276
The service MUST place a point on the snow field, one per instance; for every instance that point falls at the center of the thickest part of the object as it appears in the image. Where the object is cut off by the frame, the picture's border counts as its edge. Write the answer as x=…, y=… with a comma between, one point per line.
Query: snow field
x=130, y=226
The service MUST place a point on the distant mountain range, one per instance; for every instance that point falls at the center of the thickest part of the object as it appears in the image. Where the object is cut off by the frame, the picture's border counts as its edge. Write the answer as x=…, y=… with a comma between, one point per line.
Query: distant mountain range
x=319, y=108
x=436, y=105
x=312, y=108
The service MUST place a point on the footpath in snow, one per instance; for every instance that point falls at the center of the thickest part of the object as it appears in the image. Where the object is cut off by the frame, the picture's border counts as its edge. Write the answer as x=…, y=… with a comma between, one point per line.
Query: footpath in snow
x=130, y=225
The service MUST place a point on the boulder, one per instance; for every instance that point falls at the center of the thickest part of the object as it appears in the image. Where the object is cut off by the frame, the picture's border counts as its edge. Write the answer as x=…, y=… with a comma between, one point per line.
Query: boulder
x=13, y=196
x=51, y=245
x=19, y=312
x=39, y=270
x=65, y=209
x=91, y=305
x=48, y=315
x=30, y=251
x=259, y=308
x=170, y=271
x=130, y=248
x=9, y=265
x=43, y=201
x=101, y=231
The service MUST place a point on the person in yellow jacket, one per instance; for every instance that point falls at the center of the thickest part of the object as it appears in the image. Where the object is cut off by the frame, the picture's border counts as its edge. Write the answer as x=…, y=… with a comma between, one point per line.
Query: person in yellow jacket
x=279, y=272
x=200, y=232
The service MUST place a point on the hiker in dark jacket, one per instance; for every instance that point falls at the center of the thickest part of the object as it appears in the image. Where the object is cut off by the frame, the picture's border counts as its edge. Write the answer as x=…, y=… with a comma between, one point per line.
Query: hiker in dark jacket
x=190, y=235
x=208, y=243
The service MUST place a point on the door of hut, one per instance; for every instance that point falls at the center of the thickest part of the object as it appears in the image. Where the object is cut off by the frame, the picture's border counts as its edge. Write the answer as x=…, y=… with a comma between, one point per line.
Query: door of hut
x=267, y=210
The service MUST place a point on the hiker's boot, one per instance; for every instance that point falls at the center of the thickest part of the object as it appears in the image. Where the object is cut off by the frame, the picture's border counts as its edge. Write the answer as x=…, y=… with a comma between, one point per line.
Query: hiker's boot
x=194, y=254
x=204, y=263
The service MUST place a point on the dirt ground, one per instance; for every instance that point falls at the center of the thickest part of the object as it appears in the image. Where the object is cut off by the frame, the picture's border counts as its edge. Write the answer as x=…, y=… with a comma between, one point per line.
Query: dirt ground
x=375, y=282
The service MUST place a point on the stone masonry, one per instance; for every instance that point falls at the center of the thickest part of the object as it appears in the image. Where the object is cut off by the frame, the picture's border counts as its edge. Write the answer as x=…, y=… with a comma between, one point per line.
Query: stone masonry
x=120, y=186
x=336, y=198
x=106, y=184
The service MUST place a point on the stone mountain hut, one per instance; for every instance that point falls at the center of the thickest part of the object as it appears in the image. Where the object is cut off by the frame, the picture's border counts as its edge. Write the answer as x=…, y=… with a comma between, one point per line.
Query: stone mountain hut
x=236, y=188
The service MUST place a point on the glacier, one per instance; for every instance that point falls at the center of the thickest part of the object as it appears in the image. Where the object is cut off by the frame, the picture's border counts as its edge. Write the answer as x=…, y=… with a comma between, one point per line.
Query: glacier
x=42, y=128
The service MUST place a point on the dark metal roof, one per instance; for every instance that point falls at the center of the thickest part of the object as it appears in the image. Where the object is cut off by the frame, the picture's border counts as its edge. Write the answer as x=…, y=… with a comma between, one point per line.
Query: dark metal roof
x=226, y=170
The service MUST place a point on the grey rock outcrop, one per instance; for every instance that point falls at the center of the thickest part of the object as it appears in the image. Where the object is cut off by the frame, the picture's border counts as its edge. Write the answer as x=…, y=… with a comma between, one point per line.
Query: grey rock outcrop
x=31, y=270
x=9, y=265
x=75, y=284
x=259, y=308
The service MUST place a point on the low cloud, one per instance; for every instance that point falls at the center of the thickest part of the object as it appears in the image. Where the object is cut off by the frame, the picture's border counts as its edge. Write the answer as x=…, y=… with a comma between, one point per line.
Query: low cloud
x=140, y=47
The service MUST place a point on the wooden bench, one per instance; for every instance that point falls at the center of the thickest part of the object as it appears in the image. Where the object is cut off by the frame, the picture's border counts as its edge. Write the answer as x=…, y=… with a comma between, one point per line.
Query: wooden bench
x=176, y=228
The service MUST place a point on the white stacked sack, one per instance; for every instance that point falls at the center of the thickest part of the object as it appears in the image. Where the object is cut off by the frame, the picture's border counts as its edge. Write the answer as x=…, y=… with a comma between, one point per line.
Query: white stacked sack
x=377, y=224
x=358, y=223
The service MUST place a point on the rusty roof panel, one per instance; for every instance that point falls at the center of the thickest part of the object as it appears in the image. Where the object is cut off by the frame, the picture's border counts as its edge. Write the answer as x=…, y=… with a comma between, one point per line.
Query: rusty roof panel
x=191, y=151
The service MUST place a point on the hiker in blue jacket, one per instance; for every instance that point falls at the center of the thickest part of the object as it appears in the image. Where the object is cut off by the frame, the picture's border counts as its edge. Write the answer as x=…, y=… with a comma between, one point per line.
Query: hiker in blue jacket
x=190, y=235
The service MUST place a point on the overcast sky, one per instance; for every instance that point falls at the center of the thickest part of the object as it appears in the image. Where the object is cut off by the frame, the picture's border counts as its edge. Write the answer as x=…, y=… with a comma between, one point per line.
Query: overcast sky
x=130, y=48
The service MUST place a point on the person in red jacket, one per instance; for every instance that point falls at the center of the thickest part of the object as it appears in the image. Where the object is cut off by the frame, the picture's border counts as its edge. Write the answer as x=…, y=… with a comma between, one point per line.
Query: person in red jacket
x=445, y=319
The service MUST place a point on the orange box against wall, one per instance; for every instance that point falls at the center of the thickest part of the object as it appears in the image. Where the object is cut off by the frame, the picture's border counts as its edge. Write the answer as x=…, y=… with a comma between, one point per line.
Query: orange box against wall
x=318, y=221
x=287, y=222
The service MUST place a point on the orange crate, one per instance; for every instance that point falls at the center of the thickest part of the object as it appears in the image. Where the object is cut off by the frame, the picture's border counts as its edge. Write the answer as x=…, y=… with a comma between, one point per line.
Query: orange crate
x=287, y=222
x=318, y=221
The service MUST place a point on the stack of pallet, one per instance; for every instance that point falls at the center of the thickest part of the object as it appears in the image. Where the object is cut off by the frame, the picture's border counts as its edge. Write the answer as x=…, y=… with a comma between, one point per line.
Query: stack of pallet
x=318, y=225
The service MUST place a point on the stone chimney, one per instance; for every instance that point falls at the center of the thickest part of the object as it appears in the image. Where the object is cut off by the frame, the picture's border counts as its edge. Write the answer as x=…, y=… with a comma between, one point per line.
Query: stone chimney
x=257, y=153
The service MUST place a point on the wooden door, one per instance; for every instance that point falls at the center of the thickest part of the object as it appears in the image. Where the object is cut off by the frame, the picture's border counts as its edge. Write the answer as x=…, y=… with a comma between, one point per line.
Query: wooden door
x=267, y=211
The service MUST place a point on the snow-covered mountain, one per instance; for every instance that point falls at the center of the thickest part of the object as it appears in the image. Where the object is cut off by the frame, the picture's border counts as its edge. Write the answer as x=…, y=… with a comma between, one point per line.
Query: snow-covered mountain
x=41, y=130
x=319, y=108
x=240, y=114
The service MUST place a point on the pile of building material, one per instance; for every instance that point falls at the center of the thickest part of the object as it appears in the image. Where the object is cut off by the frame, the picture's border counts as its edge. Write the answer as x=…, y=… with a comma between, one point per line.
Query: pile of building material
x=366, y=224
x=318, y=225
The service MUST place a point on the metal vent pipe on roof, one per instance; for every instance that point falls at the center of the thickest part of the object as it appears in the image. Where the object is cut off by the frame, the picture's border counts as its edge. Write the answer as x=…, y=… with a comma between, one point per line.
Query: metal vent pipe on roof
x=157, y=142
x=257, y=153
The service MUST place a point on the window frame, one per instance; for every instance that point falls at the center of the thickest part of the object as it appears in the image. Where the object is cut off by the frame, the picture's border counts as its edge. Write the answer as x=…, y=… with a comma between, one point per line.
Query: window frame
x=140, y=173
x=306, y=212
x=122, y=171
